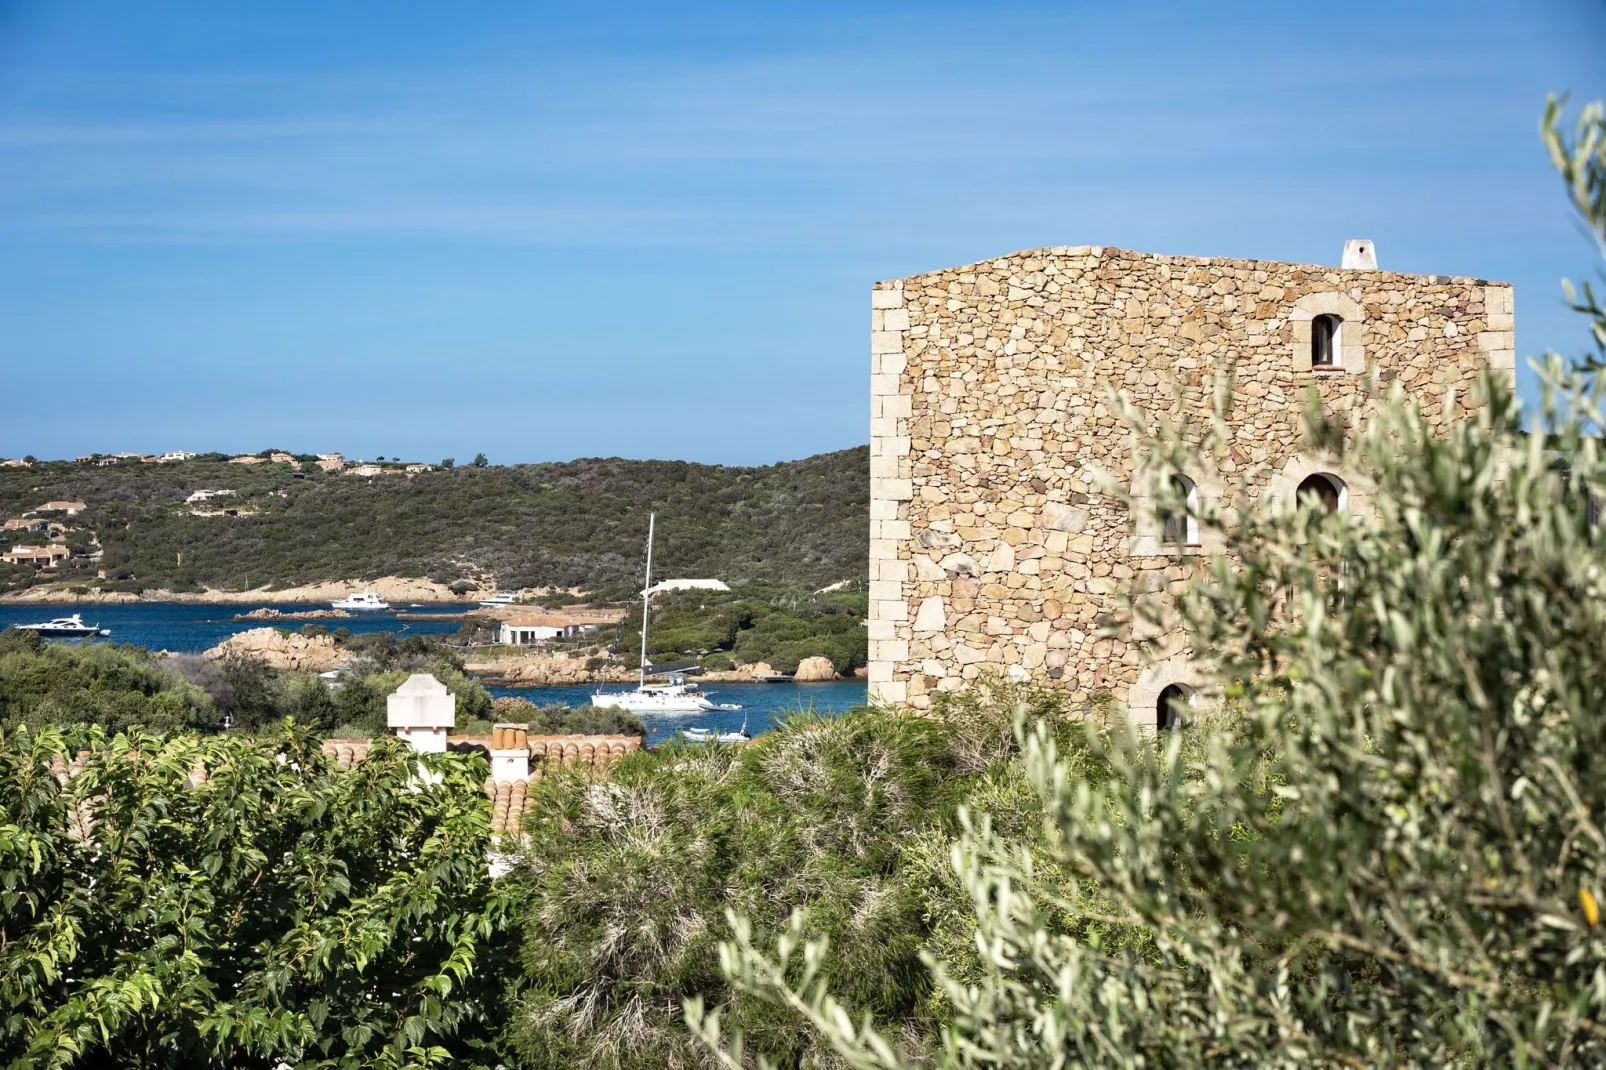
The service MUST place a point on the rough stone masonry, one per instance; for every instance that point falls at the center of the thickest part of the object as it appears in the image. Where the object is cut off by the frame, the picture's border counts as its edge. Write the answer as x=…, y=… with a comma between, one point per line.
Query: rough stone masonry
x=991, y=546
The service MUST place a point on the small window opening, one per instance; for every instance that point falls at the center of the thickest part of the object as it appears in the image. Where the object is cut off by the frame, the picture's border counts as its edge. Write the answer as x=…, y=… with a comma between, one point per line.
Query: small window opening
x=1168, y=711
x=1182, y=529
x=1328, y=490
x=1324, y=341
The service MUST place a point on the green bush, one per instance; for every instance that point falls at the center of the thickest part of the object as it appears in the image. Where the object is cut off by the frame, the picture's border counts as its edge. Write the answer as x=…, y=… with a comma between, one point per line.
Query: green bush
x=627, y=883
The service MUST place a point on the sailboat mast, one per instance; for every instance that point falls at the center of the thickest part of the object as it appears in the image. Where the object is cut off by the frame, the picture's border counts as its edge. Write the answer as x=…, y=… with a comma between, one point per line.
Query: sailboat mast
x=646, y=594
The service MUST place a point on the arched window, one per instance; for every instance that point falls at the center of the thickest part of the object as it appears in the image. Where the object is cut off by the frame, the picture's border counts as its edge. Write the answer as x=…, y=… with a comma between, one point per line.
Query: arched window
x=1182, y=529
x=1324, y=341
x=1168, y=710
x=1325, y=488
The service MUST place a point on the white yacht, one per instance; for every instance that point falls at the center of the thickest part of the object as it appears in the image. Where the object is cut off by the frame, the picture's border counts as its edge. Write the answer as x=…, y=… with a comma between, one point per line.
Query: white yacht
x=72, y=627
x=675, y=696
x=368, y=602
x=499, y=599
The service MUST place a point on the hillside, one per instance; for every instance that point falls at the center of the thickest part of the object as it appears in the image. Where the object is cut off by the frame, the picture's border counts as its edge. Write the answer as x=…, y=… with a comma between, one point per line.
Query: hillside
x=573, y=524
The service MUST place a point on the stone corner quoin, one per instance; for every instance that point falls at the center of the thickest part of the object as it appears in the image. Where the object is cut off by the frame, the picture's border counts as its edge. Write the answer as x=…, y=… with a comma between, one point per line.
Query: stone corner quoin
x=991, y=546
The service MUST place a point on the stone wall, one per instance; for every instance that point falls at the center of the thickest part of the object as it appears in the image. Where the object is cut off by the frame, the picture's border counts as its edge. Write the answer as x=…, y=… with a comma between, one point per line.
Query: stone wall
x=991, y=546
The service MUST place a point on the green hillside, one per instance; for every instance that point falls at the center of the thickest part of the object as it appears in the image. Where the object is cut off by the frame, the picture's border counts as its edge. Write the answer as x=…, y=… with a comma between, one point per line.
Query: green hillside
x=573, y=524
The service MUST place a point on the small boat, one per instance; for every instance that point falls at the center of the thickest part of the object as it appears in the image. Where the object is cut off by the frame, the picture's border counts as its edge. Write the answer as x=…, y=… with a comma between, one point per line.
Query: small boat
x=676, y=696
x=498, y=600
x=707, y=735
x=367, y=602
x=72, y=627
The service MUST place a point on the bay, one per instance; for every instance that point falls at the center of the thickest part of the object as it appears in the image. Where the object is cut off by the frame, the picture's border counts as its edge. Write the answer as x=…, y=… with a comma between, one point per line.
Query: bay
x=189, y=628
x=763, y=705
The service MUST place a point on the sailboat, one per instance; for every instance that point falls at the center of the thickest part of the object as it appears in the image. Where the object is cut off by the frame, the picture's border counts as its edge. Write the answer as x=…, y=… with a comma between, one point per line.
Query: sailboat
x=675, y=696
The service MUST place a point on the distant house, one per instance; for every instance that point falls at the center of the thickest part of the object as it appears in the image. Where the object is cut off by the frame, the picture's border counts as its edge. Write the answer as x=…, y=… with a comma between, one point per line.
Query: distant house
x=366, y=470
x=203, y=495
x=175, y=455
x=26, y=524
x=331, y=462
x=70, y=508
x=15, y=462
x=414, y=469
x=688, y=585
x=527, y=629
x=47, y=556
x=247, y=458
x=282, y=458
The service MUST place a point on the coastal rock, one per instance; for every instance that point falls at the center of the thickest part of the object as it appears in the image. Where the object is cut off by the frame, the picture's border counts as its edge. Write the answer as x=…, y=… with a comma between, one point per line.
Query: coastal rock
x=278, y=650
x=758, y=670
x=268, y=613
x=551, y=670
x=813, y=670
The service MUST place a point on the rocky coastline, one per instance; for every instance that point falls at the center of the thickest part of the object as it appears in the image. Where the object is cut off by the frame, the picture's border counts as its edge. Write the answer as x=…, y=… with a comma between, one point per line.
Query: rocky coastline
x=397, y=590
x=269, y=613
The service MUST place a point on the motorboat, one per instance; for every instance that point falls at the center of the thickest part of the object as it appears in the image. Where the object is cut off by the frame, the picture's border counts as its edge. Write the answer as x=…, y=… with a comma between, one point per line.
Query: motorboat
x=72, y=627
x=708, y=735
x=367, y=602
x=675, y=696
x=498, y=600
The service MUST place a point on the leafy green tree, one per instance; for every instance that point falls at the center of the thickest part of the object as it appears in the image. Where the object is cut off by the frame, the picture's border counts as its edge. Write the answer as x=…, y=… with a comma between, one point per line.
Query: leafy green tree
x=480, y=461
x=243, y=902
x=1387, y=848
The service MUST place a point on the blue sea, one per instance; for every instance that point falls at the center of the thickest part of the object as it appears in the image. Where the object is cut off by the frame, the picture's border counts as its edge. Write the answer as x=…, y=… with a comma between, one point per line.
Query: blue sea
x=189, y=629
x=763, y=705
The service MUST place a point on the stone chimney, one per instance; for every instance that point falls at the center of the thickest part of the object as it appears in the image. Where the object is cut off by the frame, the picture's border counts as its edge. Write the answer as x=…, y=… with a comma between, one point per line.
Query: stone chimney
x=422, y=712
x=510, y=752
x=1360, y=253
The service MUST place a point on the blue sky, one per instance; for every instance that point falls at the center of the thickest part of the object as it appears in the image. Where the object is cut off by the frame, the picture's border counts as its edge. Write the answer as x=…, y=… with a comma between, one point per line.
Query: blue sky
x=649, y=230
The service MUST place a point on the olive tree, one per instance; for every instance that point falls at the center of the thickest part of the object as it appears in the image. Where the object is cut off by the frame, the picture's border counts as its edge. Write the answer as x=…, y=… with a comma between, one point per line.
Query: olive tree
x=1386, y=848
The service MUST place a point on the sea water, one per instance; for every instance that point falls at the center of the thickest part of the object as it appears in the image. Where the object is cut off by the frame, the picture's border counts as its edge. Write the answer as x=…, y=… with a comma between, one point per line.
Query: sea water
x=186, y=628
x=189, y=628
x=763, y=705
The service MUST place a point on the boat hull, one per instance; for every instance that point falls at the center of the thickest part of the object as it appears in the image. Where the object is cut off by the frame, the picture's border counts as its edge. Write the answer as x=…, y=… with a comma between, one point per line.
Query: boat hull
x=634, y=703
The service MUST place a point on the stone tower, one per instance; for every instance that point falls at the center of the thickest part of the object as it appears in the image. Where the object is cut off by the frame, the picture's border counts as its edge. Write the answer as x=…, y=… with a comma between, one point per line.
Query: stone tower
x=991, y=546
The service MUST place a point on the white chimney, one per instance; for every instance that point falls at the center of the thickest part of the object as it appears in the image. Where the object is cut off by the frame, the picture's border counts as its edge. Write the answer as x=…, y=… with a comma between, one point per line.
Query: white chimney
x=1360, y=253
x=510, y=752
x=422, y=712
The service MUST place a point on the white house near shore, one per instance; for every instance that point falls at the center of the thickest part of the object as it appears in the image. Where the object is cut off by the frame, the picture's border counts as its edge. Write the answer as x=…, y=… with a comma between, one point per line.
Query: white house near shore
x=527, y=629
x=688, y=585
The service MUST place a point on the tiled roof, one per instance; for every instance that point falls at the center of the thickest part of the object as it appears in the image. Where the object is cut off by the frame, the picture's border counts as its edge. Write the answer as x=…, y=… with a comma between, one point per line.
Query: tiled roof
x=540, y=620
x=510, y=802
x=510, y=799
x=347, y=752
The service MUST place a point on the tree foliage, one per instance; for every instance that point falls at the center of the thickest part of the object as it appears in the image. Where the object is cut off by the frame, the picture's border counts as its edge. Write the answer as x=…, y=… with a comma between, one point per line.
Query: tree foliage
x=186, y=901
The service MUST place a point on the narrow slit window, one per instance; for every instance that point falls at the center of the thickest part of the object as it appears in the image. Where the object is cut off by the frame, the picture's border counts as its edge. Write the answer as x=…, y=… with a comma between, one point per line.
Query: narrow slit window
x=1182, y=528
x=1324, y=341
